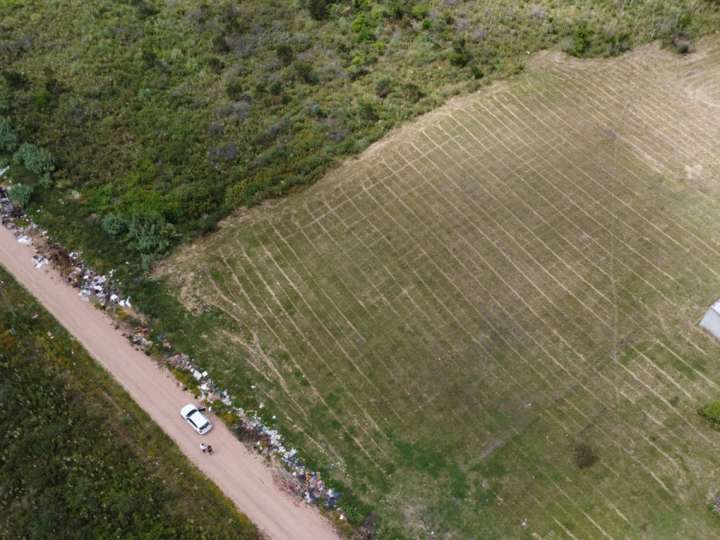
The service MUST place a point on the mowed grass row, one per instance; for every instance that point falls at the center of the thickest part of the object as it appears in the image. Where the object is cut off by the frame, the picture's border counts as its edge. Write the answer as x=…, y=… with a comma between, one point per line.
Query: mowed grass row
x=487, y=323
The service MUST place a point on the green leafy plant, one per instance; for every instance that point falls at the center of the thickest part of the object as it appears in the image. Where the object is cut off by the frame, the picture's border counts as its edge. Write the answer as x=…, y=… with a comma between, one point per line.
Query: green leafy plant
x=21, y=194
x=8, y=137
x=35, y=159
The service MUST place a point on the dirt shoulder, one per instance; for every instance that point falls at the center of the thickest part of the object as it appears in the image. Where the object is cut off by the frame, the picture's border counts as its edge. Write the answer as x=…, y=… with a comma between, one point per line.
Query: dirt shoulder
x=241, y=475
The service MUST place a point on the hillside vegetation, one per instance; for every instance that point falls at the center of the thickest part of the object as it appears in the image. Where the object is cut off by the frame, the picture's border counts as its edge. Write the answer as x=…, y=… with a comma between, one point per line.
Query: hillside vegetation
x=79, y=458
x=162, y=117
x=487, y=324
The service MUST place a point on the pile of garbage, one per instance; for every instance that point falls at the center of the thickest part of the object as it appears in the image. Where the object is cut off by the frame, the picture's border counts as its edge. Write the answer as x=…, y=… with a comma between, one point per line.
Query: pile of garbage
x=268, y=441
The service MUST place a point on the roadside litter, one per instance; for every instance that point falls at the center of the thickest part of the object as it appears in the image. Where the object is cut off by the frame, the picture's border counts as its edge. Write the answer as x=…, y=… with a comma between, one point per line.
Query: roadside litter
x=101, y=290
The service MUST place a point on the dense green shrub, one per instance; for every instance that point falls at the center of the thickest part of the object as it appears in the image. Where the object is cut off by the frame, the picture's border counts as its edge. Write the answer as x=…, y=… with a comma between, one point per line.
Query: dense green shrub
x=21, y=194
x=305, y=71
x=35, y=159
x=383, y=87
x=285, y=54
x=150, y=234
x=8, y=137
x=584, y=456
x=318, y=8
x=580, y=40
x=114, y=225
x=459, y=56
x=711, y=412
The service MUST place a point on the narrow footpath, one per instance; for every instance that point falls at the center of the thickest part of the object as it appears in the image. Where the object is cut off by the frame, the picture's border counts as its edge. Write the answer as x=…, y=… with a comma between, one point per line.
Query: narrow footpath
x=239, y=473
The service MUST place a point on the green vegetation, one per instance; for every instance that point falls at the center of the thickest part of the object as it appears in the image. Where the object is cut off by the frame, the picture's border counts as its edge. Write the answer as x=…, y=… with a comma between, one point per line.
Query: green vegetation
x=79, y=458
x=161, y=118
x=711, y=412
x=168, y=116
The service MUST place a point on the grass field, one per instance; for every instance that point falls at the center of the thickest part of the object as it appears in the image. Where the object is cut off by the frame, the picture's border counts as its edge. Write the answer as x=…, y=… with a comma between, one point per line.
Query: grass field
x=487, y=323
x=79, y=459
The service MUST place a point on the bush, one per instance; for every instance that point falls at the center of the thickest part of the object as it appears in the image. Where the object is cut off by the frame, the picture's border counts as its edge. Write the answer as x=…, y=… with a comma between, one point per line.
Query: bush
x=151, y=234
x=711, y=412
x=585, y=456
x=114, y=225
x=305, y=71
x=285, y=54
x=412, y=92
x=580, y=41
x=318, y=9
x=8, y=138
x=382, y=88
x=21, y=194
x=35, y=159
x=459, y=56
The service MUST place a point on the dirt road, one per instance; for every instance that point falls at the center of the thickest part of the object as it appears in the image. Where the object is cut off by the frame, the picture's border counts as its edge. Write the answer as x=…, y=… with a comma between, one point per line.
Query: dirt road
x=241, y=475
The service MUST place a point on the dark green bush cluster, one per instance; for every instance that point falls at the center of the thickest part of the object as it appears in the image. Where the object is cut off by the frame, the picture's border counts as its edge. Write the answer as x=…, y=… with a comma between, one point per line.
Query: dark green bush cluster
x=8, y=137
x=711, y=412
x=584, y=456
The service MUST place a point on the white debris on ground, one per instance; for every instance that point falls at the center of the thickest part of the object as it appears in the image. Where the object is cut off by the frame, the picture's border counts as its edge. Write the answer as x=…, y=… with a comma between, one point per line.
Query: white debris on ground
x=100, y=289
x=39, y=261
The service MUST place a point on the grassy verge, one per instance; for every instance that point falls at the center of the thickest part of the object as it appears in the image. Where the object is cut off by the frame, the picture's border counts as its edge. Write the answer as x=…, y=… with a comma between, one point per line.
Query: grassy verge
x=80, y=459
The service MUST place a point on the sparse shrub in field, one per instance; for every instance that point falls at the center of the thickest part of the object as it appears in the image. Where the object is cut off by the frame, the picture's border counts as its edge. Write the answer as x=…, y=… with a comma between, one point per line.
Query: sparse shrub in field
x=215, y=64
x=420, y=11
x=8, y=137
x=675, y=32
x=711, y=412
x=219, y=44
x=15, y=80
x=584, y=456
x=234, y=89
x=618, y=44
x=305, y=71
x=285, y=54
x=459, y=56
x=318, y=8
x=412, y=92
x=276, y=88
x=21, y=194
x=383, y=87
x=367, y=113
x=35, y=159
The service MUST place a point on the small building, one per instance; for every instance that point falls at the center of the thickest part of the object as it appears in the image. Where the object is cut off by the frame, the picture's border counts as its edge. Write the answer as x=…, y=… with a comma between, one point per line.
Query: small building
x=711, y=320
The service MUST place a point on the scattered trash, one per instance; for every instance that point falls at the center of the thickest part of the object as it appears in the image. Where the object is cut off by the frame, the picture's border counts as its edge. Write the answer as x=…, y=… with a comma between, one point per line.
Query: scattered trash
x=100, y=289
x=39, y=261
